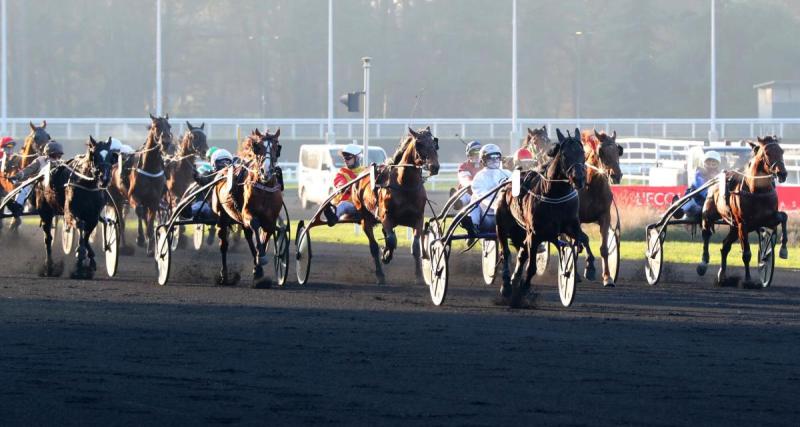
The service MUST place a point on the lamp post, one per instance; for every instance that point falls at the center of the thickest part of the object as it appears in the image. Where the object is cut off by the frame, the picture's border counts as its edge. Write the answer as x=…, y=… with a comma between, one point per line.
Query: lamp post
x=159, y=105
x=514, y=136
x=366, y=61
x=712, y=132
x=330, y=137
x=4, y=77
x=578, y=37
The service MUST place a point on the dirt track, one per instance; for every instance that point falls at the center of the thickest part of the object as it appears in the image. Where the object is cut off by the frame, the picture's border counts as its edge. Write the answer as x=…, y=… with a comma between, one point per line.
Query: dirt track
x=342, y=350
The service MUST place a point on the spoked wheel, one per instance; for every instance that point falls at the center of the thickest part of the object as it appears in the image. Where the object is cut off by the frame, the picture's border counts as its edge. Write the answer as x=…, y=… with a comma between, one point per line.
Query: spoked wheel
x=542, y=259
x=654, y=256
x=612, y=242
x=176, y=237
x=280, y=244
x=198, y=237
x=440, y=254
x=488, y=260
x=567, y=272
x=110, y=226
x=163, y=253
x=303, y=253
x=67, y=237
x=429, y=235
x=766, y=255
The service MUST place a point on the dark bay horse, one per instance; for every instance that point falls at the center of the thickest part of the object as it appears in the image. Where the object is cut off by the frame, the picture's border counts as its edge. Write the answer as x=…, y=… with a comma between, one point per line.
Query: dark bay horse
x=546, y=207
x=751, y=202
x=401, y=201
x=147, y=187
x=602, y=168
x=87, y=177
x=179, y=169
x=252, y=197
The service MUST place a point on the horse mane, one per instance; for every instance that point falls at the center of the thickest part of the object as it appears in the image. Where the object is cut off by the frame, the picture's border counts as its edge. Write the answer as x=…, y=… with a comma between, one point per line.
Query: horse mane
x=590, y=141
x=398, y=156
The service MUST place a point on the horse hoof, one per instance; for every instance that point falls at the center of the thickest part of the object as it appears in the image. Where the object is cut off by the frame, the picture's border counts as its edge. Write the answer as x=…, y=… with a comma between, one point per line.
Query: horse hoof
x=590, y=273
x=258, y=272
x=262, y=284
x=262, y=260
x=722, y=279
x=380, y=279
x=608, y=283
x=783, y=253
x=702, y=268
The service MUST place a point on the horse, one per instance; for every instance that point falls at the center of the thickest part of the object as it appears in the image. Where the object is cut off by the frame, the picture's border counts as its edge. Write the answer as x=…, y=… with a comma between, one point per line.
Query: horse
x=747, y=201
x=34, y=144
x=252, y=196
x=180, y=169
x=539, y=143
x=159, y=138
x=546, y=207
x=602, y=164
x=401, y=201
x=87, y=179
x=147, y=187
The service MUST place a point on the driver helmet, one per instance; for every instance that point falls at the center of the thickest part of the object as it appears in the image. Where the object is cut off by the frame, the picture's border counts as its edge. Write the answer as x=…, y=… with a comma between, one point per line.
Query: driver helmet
x=53, y=148
x=116, y=145
x=210, y=151
x=712, y=155
x=473, y=148
x=523, y=157
x=7, y=141
x=221, y=158
x=126, y=149
x=351, y=153
x=491, y=156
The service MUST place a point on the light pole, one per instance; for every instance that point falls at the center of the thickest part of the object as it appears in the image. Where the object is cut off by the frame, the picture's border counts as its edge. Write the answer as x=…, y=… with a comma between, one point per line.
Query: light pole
x=578, y=37
x=159, y=105
x=514, y=137
x=330, y=137
x=366, y=60
x=712, y=132
x=4, y=77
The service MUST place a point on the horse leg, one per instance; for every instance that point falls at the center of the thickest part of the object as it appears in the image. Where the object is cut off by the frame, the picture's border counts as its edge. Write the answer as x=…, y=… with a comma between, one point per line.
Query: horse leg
x=81, y=270
x=783, y=218
x=391, y=240
x=260, y=246
x=258, y=270
x=140, y=212
x=48, y=269
x=703, y=266
x=517, y=291
x=416, y=252
x=374, y=250
x=744, y=241
x=222, y=234
x=505, y=288
x=210, y=237
x=605, y=224
x=530, y=268
x=733, y=235
x=90, y=252
x=150, y=222
x=589, y=271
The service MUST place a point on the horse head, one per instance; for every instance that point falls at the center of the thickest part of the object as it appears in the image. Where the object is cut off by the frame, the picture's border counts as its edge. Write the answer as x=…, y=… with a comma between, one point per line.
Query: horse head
x=608, y=153
x=194, y=140
x=769, y=157
x=265, y=149
x=537, y=139
x=426, y=149
x=100, y=159
x=38, y=138
x=162, y=132
x=569, y=158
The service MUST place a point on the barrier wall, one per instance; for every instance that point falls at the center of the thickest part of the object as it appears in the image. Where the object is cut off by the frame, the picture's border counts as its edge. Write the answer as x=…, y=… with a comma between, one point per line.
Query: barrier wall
x=661, y=197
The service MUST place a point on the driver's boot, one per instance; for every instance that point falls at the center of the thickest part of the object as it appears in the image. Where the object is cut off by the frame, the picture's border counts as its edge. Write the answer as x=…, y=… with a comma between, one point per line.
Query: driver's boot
x=330, y=215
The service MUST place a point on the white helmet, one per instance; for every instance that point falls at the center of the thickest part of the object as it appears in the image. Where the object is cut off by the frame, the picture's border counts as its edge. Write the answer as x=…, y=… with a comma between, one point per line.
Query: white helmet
x=126, y=149
x=489, y=150
x=712, y=155
x=352, y=149
x=221, y=154
x=116, y=145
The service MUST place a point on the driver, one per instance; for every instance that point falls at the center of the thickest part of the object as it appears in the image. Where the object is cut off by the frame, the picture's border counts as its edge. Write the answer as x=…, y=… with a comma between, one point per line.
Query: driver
x=204, y=173
x=9, y=161
x=351, y=154
x=489, y=177
x=706, y=171
x=468, y=170
x=53, y=152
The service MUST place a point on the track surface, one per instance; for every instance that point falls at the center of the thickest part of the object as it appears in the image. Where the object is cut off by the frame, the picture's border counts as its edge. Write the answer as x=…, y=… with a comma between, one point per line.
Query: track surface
x=342, y=350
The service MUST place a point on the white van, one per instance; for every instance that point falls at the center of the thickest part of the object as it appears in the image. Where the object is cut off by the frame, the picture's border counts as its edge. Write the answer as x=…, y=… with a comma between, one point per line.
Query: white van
x=318, y=165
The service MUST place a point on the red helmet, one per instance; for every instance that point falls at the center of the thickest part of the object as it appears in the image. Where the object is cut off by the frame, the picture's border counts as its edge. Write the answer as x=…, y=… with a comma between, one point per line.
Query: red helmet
x=523, y=154
x=7, y=141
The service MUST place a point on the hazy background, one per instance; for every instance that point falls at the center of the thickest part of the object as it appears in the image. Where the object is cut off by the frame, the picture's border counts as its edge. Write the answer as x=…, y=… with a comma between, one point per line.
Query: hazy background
x=268, y=58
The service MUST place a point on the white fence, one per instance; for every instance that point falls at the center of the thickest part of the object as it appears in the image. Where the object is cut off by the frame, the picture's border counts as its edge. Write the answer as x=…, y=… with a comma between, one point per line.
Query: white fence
x=491, y=128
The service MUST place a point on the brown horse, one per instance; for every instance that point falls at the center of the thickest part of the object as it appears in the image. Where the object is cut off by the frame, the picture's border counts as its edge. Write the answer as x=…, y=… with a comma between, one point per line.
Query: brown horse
x=401, y=201
x=34, y=144
x=546, y=207
x=538, y=143
x=179, y=169
x=602, y=166
x=87, y=177
x=751, y=202
x=147, y=187
x=252, y=196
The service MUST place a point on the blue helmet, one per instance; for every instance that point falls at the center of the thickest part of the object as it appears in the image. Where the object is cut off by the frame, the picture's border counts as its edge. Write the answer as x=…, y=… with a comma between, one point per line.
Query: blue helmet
x=473, y=145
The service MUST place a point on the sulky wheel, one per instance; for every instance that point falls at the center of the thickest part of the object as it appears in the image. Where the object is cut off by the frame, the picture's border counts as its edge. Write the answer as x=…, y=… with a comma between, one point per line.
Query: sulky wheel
x=654, y=256
x=280, y=258
x=542, y=259
x=303, y=253
x=110, y=225
x=613, y=252
x=567, y=263
x=440, y=254
x=197, y=238
x=163, y=253
x=430, y=234
x=766, y=255
x=67, y=237
x=488, y=260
